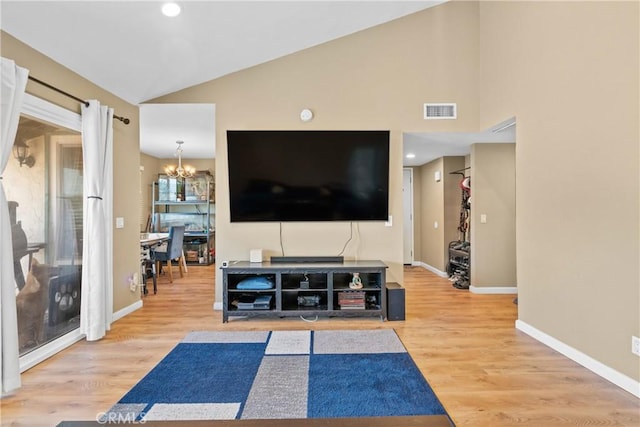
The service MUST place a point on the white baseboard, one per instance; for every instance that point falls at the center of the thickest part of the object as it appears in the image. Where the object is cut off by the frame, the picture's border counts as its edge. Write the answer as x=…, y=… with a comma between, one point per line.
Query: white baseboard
x=624, y=382
x=127, y=310
x=493, y=289
x=40, y=354
x=430, y=268
x=217, y=306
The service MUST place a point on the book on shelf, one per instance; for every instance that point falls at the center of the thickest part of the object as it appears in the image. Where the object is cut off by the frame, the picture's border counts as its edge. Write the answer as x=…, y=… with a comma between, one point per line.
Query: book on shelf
x=351, y=294
x=351, y=300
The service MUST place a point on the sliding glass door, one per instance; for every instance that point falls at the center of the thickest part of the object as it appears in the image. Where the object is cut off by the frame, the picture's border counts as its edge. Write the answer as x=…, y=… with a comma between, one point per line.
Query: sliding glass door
x=43, y=182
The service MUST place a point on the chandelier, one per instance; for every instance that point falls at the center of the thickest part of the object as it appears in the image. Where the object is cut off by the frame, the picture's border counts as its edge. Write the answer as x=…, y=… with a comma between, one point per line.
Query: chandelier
x=174, y=171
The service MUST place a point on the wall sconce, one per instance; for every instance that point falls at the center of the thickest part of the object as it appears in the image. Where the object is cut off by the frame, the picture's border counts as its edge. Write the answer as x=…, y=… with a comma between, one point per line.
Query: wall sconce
x=21, y=153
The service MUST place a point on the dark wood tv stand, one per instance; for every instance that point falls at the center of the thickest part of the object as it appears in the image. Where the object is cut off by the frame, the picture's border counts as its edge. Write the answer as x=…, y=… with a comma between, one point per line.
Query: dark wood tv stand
x=327, y=283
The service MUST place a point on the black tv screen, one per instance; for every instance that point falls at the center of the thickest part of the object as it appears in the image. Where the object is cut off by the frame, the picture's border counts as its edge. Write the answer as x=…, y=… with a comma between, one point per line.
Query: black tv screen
x=308, y=175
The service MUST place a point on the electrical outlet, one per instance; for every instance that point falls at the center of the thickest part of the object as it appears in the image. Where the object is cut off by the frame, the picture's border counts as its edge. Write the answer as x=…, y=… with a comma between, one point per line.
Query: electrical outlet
x=635, y=345
x=133, y=282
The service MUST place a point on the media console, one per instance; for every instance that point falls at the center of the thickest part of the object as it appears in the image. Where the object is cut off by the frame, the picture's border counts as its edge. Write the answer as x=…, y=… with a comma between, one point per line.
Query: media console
x=285, y=289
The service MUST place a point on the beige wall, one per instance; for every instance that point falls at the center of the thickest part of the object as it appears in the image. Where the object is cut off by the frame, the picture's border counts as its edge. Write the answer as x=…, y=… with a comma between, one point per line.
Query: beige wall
x=375, y=79
x=439, y=202
x=431, y=211
x=125, y=157
x=569, y=72
x=493, y=193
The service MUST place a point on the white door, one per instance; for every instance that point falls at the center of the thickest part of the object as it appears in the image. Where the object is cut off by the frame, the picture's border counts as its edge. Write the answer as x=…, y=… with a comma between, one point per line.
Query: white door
x=407, y=212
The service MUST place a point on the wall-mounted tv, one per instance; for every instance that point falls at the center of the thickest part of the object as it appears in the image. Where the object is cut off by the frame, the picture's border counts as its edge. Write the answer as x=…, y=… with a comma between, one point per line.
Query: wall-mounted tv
x=317, y=175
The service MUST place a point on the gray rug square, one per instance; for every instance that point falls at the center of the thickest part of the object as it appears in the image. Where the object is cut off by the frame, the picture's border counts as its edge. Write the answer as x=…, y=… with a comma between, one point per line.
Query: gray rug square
x=289, y=342
x=224, y=337
x=280, y=388
x=357, y=342
x=192, y=411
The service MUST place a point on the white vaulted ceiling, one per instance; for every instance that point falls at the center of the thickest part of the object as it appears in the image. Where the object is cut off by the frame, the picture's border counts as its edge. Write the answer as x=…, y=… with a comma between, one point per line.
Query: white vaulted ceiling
x=135, y=52
x=132, y=50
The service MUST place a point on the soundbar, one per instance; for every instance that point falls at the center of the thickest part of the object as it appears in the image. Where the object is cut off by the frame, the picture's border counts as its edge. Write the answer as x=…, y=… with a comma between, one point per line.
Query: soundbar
x=307, y=259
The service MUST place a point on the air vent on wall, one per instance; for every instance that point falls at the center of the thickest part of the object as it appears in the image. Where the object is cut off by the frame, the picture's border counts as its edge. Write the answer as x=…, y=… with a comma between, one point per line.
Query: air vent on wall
x=439, y=111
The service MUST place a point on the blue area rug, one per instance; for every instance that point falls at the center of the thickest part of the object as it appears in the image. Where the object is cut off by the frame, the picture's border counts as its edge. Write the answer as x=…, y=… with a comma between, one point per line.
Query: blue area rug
x=281, y=374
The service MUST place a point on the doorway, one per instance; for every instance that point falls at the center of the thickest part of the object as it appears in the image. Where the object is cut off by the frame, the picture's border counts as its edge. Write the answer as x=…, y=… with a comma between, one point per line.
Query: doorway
x=491, y=156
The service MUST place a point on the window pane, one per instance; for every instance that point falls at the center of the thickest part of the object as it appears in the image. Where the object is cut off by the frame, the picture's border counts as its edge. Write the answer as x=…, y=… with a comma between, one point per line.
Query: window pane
x=43, y=182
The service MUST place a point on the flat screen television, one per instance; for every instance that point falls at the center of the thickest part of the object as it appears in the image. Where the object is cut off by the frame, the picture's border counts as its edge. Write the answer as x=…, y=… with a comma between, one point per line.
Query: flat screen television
x=317, y=175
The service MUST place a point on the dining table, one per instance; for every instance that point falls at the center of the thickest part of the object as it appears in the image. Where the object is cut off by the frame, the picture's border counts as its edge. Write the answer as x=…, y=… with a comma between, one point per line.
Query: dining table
x=150, y=240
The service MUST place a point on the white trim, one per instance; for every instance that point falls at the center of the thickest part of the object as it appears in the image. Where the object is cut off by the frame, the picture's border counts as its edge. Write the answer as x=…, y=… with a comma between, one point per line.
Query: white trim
x=493, y=289
x=41, y=354
x=38, y=108
x=217, y=306
x=41, y=109
x=127, y=310
x=411, y=215
x=430, y=268
x=626, y=383
x=504, y=125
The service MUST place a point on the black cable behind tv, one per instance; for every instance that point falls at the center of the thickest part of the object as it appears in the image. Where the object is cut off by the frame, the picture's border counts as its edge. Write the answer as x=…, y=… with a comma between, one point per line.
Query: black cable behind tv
x=307, y=259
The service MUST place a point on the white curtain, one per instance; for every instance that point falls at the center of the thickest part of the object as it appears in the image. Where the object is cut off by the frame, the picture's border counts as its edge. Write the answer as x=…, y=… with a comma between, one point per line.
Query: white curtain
x=14, y=82
x=97, y=262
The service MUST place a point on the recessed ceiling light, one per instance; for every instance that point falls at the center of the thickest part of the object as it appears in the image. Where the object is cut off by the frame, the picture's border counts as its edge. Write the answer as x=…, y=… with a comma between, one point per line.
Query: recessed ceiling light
x=410, y=156
x=171, y=9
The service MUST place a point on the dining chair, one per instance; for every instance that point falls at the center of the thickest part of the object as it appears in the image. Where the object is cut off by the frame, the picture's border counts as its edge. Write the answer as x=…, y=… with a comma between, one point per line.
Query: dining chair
x=147, y=270
x=173, y=251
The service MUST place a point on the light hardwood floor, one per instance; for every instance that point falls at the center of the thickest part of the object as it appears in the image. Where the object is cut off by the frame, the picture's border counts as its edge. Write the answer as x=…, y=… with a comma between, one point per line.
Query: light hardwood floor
x=485, y=372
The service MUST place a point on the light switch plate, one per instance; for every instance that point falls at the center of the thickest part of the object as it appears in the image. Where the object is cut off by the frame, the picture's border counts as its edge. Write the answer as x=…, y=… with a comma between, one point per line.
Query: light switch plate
x=119, y=222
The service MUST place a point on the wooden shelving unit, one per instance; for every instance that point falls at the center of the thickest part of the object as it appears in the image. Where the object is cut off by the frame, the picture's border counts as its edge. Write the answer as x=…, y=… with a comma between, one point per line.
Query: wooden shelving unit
x=305, y=288
x=174, y=202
